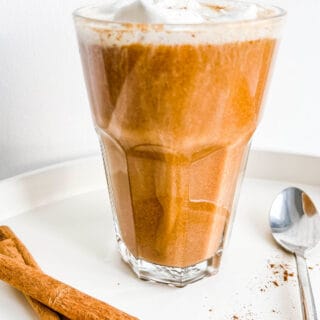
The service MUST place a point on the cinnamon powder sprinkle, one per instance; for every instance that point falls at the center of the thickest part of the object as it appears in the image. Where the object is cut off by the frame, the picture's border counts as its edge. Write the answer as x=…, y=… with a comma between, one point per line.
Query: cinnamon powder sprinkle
x=216, y=7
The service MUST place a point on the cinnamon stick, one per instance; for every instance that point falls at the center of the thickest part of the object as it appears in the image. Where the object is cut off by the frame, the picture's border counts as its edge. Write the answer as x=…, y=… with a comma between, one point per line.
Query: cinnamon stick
x=7, y=233
x=57, y=295
x=43, y=312
x=8, y=248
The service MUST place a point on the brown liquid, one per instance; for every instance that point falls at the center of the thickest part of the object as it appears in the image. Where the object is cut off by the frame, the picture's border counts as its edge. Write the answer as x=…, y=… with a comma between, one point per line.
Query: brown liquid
x=175, y=122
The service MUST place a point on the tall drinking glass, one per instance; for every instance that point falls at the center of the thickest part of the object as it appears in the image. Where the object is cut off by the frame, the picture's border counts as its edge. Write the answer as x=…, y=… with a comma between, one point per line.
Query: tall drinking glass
x=175, y=107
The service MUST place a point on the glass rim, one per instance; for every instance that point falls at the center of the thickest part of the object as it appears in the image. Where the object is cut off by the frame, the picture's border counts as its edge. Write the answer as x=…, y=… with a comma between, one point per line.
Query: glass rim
x=80, y=14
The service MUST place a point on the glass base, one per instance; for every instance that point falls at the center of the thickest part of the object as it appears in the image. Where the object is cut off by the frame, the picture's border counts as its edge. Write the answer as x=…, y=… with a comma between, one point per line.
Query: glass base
x=178, y=277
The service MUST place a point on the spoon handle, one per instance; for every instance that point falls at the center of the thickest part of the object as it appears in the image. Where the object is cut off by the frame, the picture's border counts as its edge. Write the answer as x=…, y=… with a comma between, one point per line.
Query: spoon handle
x=307, y=301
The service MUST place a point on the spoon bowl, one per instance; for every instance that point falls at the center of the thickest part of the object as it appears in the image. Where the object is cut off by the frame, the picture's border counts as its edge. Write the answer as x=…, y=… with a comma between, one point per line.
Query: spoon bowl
x=295, y=221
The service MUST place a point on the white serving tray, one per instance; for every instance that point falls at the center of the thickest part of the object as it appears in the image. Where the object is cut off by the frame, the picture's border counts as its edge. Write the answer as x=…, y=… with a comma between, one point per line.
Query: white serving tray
x=62, y=215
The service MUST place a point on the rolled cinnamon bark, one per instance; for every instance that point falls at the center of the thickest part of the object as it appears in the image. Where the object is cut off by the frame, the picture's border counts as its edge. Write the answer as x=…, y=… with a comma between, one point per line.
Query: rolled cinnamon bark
x=55, y=294
x=12, y=247
x=7, y=233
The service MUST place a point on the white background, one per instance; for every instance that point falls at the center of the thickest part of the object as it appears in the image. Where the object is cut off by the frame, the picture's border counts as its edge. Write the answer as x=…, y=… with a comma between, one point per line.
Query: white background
x=44, y=113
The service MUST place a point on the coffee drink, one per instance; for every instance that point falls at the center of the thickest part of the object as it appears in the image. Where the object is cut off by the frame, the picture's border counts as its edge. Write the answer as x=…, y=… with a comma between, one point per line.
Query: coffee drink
x=175, y=108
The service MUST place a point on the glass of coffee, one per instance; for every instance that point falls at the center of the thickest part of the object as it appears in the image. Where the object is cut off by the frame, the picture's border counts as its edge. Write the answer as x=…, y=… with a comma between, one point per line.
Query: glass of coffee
x=176, y=89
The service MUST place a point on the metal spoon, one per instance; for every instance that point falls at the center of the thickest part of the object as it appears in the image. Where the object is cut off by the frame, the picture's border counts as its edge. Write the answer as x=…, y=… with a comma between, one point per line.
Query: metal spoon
x=295, y=225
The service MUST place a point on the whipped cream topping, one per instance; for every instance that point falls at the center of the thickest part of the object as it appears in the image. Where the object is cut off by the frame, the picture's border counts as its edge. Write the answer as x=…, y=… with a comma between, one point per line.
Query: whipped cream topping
x=181, y=11
x=174, y=22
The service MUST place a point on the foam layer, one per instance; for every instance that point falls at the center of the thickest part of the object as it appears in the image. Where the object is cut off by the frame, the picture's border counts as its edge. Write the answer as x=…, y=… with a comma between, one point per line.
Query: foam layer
x=161, y=21
x=180, y=11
